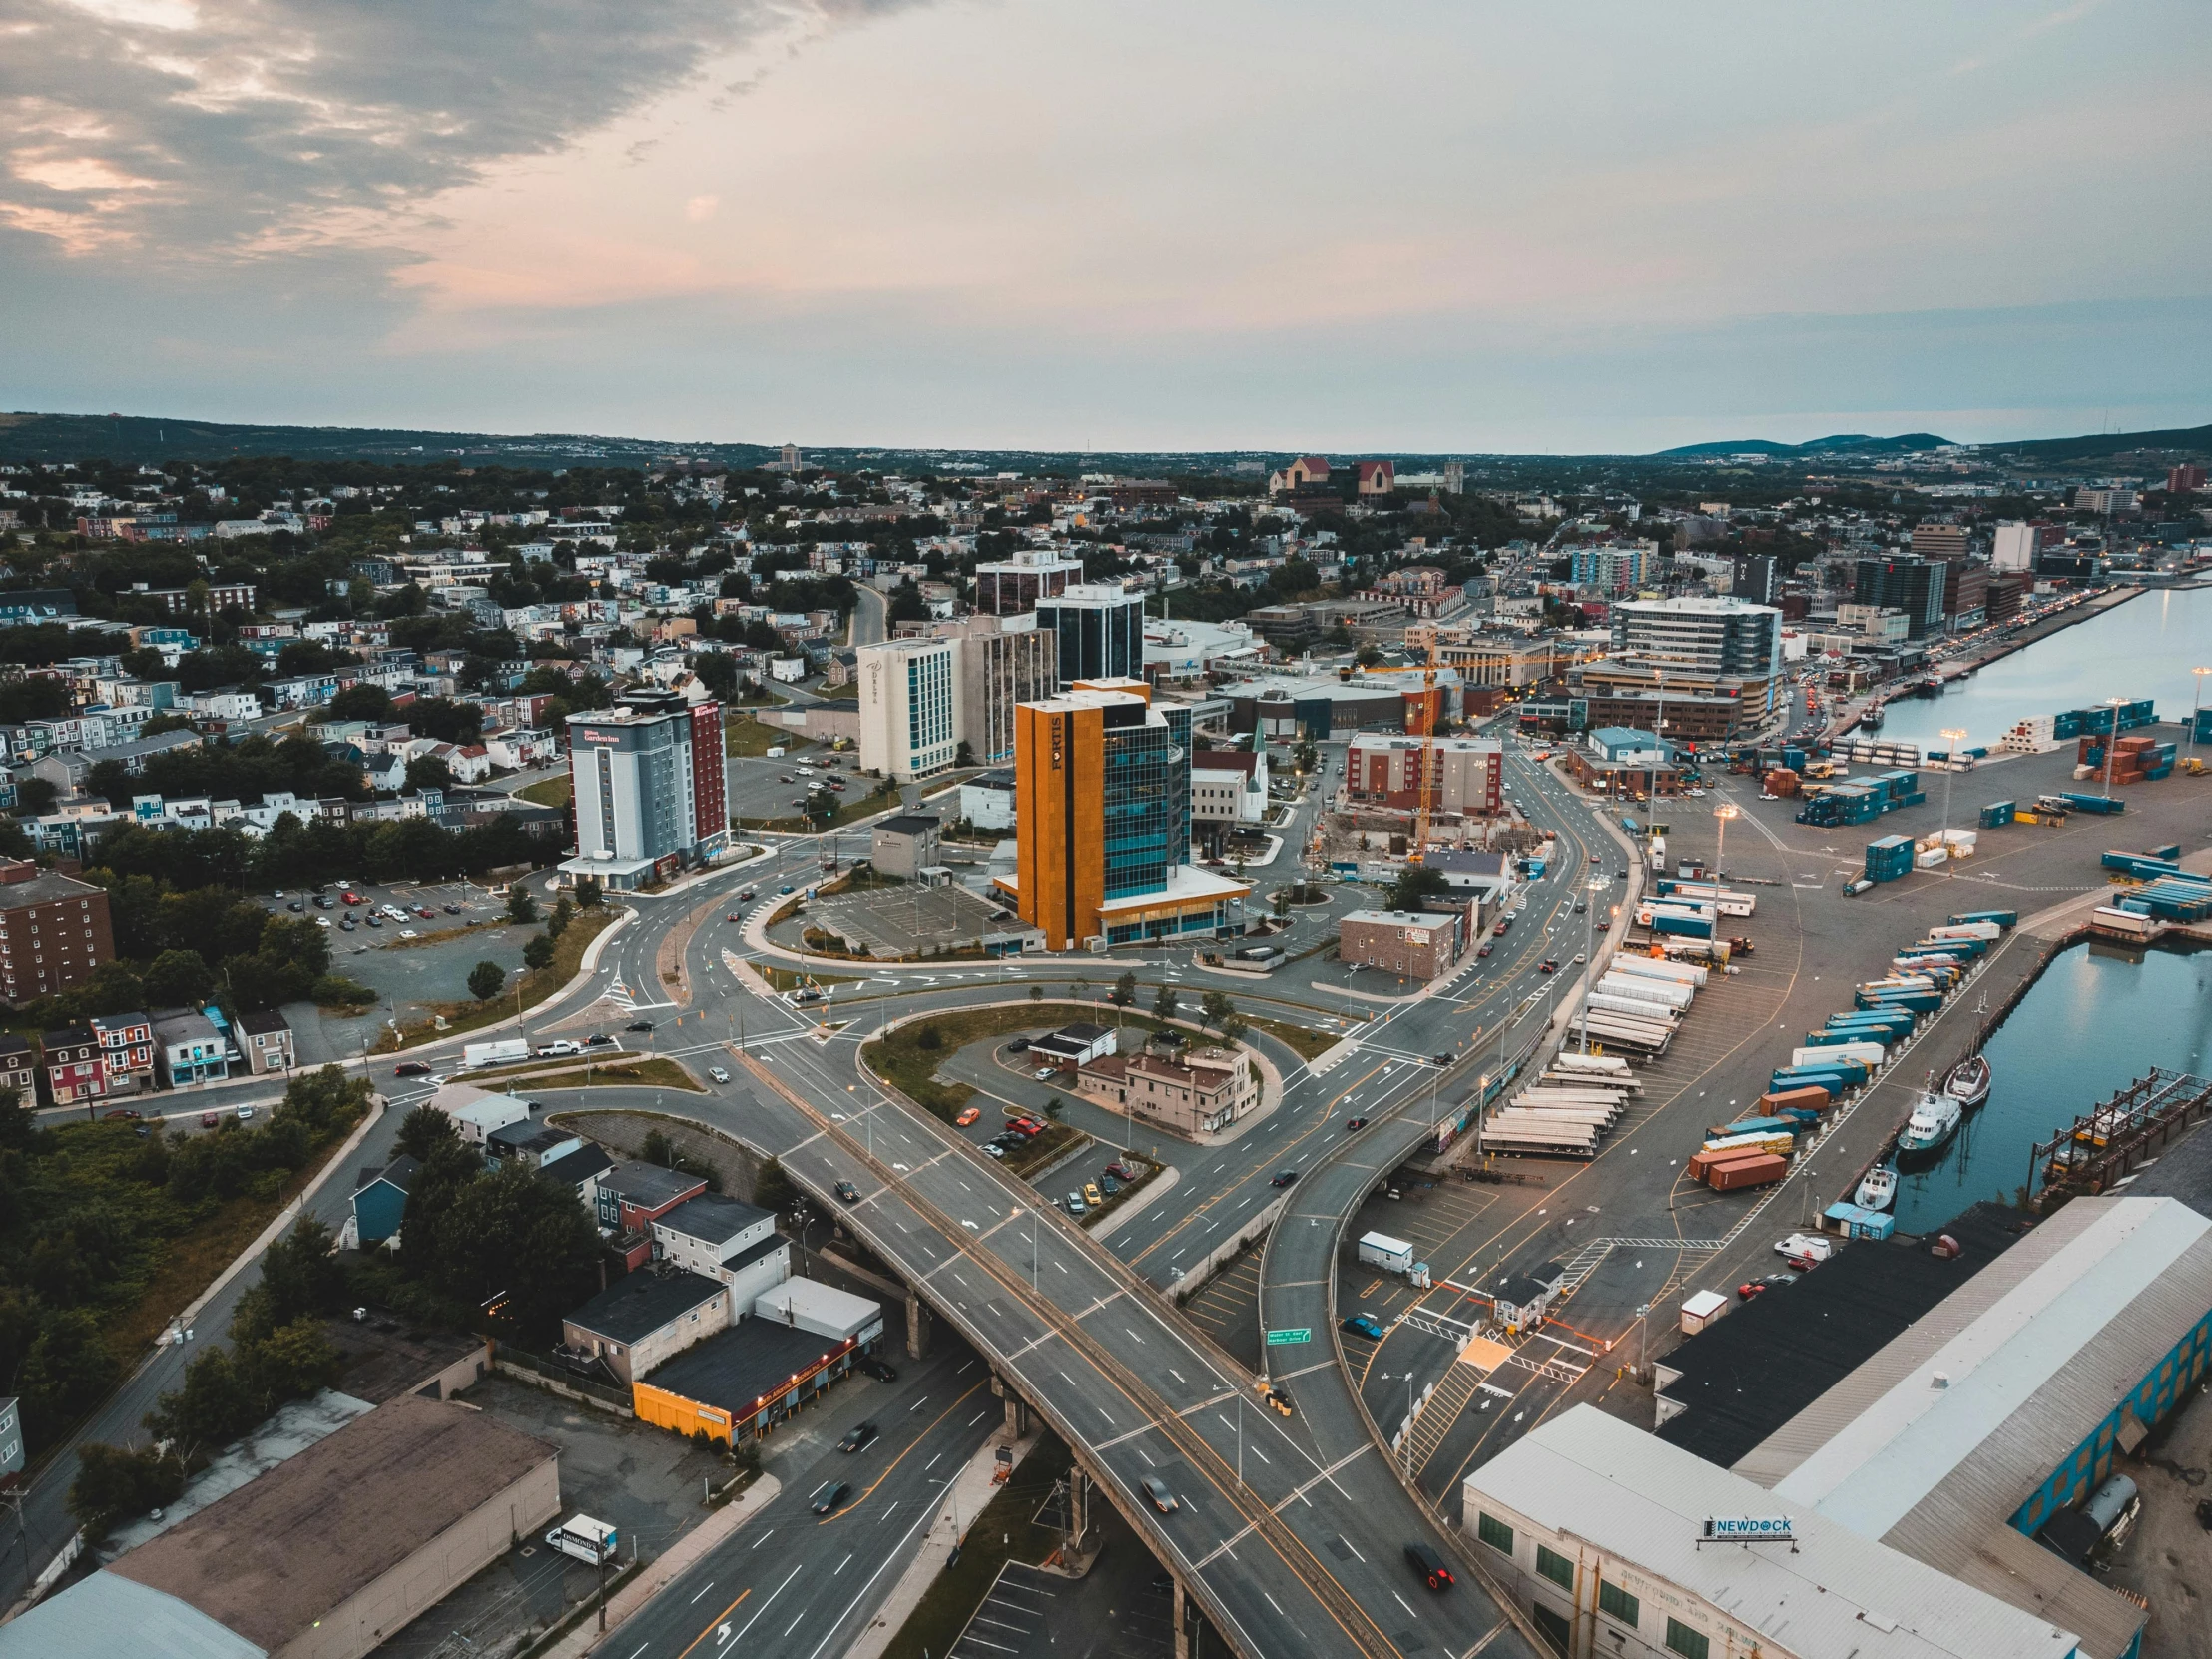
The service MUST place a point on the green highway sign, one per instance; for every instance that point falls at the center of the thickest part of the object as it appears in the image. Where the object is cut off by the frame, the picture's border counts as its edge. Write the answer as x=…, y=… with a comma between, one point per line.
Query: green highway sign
x=1288, y=1339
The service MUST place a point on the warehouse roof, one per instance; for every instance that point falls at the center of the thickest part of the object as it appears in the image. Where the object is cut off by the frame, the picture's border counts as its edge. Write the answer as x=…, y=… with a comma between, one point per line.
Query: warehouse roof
x=737, y=1369
x=278, y=1553
x=1742, y=1378
x=106, y=1615
x=1592, y=1476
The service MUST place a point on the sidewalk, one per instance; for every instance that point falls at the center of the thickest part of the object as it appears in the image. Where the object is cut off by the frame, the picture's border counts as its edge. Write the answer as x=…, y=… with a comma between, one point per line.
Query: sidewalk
x=967, y=1496
x=667, y=1569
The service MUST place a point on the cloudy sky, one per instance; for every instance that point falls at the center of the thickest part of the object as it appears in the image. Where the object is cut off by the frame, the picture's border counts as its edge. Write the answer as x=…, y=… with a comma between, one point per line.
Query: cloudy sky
x=1605, y=225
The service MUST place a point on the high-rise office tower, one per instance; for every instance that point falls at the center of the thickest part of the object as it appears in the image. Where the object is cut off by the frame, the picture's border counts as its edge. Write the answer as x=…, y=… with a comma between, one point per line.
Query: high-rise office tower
x=1100, y=629
x=646, y=777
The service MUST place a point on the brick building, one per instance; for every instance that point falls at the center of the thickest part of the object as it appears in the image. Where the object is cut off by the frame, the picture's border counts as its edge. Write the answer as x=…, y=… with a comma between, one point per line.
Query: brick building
x=1386, y=770
x=53, y=931
x=1199, y=1094
x=1411, y=944
x=71, y=1064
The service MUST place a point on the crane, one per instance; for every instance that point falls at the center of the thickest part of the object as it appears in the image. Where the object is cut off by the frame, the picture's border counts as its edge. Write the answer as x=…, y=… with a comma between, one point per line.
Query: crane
x=1431, y=787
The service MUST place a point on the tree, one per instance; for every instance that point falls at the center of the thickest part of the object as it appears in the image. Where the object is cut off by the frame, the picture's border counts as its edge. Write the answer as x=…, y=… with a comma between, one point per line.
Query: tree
x=485, y=980
x=430, y=772
x=1415, y=885
x=1124, y=993
x=1216, y=1008
x=116, y=1484
x=301, y=1280
x=563, y=913
x=522, y=910
x=423, y=1131
x=588, y=896
x=1232, y=1027
x=1036, y=993
x=771, y=1188
x=1280, y=903
x=537, y=953
x=178, y=980
x=1164, y=1006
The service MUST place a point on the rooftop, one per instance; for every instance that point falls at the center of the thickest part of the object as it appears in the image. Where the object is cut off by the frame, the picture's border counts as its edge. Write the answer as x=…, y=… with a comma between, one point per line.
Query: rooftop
x=736, y=1369
x=1401, y=919
x=712, y=1219
x=639, y=1304
x=43, y=888
x=1631, y=1495
x=909, y=824
x=271, y=1558
x=648, y=1186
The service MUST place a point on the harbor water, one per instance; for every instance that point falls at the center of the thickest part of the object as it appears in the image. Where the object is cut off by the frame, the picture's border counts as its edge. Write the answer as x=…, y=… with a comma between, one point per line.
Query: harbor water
x=2145, y=647
x=2099, y=1017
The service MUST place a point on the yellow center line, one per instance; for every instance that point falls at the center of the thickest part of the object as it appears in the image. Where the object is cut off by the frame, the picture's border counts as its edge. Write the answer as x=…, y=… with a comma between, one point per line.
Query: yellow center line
x=869, y=1490
x=712, y=1623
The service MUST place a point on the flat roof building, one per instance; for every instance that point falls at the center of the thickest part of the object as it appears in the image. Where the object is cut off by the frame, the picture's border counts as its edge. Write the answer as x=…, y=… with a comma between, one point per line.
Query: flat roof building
x=647, y=781
x=326, y=1556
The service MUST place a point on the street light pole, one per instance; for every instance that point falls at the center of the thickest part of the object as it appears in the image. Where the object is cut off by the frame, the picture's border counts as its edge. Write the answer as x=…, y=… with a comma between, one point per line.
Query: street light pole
x=1724, y=812
x=1954, y=736
x=2112, y=741
x=2196, y=708
x=1589, y=963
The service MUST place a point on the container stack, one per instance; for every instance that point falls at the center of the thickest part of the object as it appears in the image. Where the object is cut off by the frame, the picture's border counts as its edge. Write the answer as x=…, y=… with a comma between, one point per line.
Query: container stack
x=2178, y=898
x=1782, y=781
x=2101, y=719
x=1998, y=814
x=2085, y=803
x=1890, y=859
x=2030, y=737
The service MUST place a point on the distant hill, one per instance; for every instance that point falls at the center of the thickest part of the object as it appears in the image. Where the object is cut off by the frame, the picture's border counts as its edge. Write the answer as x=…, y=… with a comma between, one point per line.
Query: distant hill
x=1841, y=443
x=2174, y=441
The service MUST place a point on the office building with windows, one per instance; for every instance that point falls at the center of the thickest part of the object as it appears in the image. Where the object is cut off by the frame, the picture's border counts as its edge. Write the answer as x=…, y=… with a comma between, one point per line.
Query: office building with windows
x=1914, y=585
x=1011, y=587
x=1102, y=790
x=1688, y=669
x=910, y=713
x=647, y=778
x=1100, y=630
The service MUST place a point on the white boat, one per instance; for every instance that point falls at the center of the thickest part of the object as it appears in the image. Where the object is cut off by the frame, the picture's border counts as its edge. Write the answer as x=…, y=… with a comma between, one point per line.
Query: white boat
x=1969, y=1082
x=1877, y=1188
x=1934, y=1121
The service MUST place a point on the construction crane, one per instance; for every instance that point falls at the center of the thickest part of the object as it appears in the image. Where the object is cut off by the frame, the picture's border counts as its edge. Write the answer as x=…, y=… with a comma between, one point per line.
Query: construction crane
x=1431, y=797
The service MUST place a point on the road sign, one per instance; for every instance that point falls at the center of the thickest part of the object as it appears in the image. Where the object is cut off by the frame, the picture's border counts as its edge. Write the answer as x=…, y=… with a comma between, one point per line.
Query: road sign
x=1289, y=1338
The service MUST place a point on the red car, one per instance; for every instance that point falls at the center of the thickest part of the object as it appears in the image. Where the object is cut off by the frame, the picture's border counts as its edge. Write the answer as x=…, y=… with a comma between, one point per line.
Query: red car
x=1549, y=965
x=1484, y=951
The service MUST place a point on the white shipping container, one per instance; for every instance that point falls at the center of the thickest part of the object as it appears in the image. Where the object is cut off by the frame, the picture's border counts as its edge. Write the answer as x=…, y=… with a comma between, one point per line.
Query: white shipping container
x=1932, y=858
x=1967, y=930
x=1379, y=1250
x=1591, y=1062
x=1656, y=992
x=1702, y=1309
x=1873, y=1053
x=1651, y=967
x=1650, y=1012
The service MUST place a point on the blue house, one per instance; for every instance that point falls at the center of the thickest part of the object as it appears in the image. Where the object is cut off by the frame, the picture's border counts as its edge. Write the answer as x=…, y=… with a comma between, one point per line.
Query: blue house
x=380, y=1202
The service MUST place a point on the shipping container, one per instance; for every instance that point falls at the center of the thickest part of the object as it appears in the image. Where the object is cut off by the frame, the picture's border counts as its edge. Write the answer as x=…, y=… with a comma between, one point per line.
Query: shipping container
x=1747, y=1172
x=2106, y=804
x=1379, y=1250
x=1998, y=814
x=1702, y=1309
x=1647, y=967
x=2003, y=918
x=1873, y=1054
x=1779, y=1101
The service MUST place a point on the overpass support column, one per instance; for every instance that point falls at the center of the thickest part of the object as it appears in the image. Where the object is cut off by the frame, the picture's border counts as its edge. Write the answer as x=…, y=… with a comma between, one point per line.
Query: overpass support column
x=917, y=1327
x=1080, y=1541
x=1017, y=1408
x=1183, y=1612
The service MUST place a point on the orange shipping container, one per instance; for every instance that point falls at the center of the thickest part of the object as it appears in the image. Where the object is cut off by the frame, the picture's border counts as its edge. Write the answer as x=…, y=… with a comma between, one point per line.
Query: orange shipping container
x=1703, y=1164
x=1747, y=1172
x=1770, y=1105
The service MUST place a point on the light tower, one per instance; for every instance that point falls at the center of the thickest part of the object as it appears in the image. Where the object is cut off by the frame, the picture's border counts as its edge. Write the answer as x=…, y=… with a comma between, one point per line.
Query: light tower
x=1954, y=736
x=1722, y=813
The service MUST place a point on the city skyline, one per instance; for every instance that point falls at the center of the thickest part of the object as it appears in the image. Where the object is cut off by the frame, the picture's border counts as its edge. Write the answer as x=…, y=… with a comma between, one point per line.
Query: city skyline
x=1041, y=226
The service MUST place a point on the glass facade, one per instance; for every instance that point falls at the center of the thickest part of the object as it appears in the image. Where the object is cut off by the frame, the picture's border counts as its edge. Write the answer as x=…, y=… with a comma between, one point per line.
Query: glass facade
x=1101, y=636
x=1141, y=809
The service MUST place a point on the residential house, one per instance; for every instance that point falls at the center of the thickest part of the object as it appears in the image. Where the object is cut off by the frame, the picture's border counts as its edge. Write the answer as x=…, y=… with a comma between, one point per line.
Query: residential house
x=630, y=1197
x=127, y=1050
x=730, y=1243
x=72, y=1068
x=19, y=1068
x=265, y=1039
x=477, y=1112
x=188, y=1047
x=579, y=1169
x=380, y=1199
x=534, y=1144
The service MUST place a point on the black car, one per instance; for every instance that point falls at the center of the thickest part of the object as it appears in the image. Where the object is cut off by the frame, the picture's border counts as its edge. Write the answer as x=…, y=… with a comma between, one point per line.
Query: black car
x=1284, y=1177
x=1157, y=1492
x=1441, y=1059
x=879, y=1371
x=848, y=1192
x=452, y=909
x=1020, y=1045
x=411, y=1068
x=1356, y=1123
x=639, y=1025
x=832, y=1495
x=857, y=1438
x=1430, y=1567
x=599, y=1041
x=296, y=907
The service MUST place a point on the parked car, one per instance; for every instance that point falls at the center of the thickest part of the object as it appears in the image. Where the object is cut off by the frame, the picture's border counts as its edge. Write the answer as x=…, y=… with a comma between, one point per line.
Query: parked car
x=718, y=1074
x=1091, y=1195
x=452, y=909
x=1045, y=1074
x=376, y=921
x=295, y=908
x=208, y=1120
x=1077, y=1203
x=1430, y=1567
x=409, y=933
x=1756, y=1287
x=1483, y=949
x=877, y=1369
x=856, y=1437
x=1363, y=1325
x=969, y=1116
x=245, y=1114
x=1108, y=1185
x=599, y=1040
x=1020, y=1045
x=321, y=901
x=847, y=1192
x=122, y=1112
x=1162, y=1499
x=993, y=1151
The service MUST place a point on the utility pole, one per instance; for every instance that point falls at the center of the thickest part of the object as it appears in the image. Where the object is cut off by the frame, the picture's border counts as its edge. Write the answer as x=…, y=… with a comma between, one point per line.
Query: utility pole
x=1954, y=736
x=2196, y=708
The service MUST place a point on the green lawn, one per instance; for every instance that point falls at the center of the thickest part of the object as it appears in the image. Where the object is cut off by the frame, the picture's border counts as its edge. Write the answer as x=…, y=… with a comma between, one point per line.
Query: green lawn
x=521, y=994
x=906, y=1059
x=743, y=735
x=546, y=791
x=1309, y=1044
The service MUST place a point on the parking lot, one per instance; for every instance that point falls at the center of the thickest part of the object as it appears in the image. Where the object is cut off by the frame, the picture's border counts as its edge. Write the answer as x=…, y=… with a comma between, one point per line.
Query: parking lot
x=466, y=926
x=892, y=921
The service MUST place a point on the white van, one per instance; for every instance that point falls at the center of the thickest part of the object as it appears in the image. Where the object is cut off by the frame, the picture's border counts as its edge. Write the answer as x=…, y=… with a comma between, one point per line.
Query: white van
x=589, y=1540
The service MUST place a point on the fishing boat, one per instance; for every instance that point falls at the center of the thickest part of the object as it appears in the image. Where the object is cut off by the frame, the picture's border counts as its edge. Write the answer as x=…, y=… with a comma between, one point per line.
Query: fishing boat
x=1934, y=1121
x=1877, y=1188
x=1869, y=718
x=1969, y=1082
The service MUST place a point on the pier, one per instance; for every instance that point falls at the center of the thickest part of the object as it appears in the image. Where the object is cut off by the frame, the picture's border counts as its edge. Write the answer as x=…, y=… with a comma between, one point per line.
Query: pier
x=2115, y=1137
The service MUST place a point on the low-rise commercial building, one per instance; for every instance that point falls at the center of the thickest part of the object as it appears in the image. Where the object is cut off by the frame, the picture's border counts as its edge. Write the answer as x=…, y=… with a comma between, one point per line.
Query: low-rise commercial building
x=644, y=1319
x=1199, y=1094
x=1411, y=944
x=906, y=845
x=188, y=1047
x=265, y=1039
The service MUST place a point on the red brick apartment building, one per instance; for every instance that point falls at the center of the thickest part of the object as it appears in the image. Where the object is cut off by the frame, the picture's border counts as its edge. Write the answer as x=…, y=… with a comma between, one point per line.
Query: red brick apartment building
x=53, y=931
